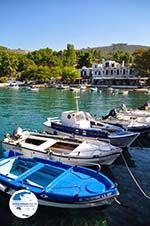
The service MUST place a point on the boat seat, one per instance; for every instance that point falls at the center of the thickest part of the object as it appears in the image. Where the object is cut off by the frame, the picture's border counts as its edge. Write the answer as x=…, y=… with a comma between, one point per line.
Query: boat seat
x=26, y=180
x=30, y=171
x=60, y=150
x=33, y=183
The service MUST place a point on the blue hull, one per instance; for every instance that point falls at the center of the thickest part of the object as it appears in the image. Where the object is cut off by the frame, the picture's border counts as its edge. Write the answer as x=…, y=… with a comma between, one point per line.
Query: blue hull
x=54, y=182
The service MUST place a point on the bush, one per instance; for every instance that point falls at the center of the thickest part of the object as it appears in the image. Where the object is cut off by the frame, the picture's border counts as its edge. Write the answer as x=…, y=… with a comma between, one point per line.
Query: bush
x=3, y=79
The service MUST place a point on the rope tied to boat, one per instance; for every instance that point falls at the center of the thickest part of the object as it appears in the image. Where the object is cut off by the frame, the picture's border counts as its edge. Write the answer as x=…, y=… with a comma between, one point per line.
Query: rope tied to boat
x=134, y=179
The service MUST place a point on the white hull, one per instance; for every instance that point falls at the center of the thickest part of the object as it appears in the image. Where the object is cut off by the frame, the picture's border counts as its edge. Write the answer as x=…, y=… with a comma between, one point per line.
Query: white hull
x=108, y=159
x=105, y=160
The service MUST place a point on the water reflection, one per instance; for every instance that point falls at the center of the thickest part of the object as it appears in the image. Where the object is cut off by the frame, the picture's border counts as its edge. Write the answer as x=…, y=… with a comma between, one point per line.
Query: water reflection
x=47, y=216
x=128, y=158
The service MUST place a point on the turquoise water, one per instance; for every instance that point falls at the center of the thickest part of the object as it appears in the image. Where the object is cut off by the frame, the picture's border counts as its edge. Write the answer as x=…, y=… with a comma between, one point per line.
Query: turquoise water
x=29, y=109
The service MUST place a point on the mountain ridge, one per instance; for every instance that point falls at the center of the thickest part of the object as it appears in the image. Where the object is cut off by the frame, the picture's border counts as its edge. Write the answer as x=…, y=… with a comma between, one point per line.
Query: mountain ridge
x=104, y=49
x=118, y=46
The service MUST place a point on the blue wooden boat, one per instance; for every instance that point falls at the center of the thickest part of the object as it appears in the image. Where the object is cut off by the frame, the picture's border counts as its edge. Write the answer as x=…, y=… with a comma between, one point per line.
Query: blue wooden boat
x=56, y=184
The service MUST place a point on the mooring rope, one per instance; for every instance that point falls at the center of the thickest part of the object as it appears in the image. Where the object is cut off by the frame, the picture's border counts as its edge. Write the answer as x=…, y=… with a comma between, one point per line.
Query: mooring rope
x=134, y=179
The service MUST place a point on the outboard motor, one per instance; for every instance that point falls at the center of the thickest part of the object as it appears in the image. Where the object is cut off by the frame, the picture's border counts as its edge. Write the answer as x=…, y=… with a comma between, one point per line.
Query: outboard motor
x=146, y=106
x=123, y=107
x=112, y=113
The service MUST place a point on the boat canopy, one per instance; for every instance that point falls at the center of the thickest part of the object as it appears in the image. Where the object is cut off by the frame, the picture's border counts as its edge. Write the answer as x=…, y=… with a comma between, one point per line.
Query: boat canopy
x=77, y=119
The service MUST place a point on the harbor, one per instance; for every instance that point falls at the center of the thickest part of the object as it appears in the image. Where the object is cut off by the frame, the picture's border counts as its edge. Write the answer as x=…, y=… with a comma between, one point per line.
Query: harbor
x=75, y=113
x=27, y=109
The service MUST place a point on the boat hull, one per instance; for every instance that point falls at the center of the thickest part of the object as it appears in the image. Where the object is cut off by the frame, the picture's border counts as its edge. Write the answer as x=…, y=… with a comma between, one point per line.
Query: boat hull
x=106, y=159
x=124, y=141
x=144, y=132
x=56, y=184
x=43, y=202
x=144, y=137
x=120, y=140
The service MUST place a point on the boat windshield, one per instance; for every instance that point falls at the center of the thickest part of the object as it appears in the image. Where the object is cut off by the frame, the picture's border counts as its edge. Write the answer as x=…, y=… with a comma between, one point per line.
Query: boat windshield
x=80, y=116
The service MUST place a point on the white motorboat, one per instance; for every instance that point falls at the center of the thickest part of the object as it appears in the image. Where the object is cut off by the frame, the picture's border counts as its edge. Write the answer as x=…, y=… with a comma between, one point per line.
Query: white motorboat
x=138, y=115
x=82, y=87
x=64, y=149
x=32, y=88
x=13, y=85
x=74, y=89
x=132, y=120
x=82, y=125
x=123, y=92
x=62, y=86
x=93, y=89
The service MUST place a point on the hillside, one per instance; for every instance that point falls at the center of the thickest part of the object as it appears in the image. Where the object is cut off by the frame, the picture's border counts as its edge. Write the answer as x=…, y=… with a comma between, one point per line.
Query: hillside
x=21, y=51
x=119, y=46
x=104, y=49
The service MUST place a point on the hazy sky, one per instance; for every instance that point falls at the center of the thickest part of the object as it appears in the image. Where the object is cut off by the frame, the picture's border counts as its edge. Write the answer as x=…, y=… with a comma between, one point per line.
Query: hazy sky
x=35, y=24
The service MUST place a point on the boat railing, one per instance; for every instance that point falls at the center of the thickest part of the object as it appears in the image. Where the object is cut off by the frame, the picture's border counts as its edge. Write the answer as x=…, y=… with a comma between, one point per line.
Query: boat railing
x=44, y=134
x=94, y=164
x=103, y=140
x=30, y=130
x=78, y=162
x=54, y=119
x=91, y=164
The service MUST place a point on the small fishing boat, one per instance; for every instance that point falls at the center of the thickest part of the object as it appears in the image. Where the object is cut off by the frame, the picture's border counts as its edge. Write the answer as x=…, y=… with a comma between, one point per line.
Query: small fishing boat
x=74, y=151
x=74, y=89
x=82, y=125
x=147, y=91
x=32, y=88
x=115, y=91
x=82, y=87
x=93, y=89
x=123, y=92
x=110, y=89
x=13, y=85
x=56, y=184
x=62, y=86
x=139, y=115
x=131, y=120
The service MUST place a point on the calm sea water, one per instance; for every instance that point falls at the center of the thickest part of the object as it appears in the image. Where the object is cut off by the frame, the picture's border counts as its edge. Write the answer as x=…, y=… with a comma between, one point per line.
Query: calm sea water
x=30, y=109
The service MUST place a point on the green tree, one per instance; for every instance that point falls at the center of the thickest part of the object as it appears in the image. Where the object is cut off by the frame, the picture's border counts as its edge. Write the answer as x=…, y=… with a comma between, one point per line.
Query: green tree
x=56, y=72
x=70, y=57
x=8, y=64
x=97, y=55
x=70, y=74
x=24, y=63
x=120, y=56
x=85, y=59
x=44, y=57
x=142, y=63
x=36, y=73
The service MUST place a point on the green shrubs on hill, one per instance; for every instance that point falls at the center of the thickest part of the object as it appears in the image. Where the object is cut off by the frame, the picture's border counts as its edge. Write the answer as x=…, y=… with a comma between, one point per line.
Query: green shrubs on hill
x=45, y=64
x=3, y=79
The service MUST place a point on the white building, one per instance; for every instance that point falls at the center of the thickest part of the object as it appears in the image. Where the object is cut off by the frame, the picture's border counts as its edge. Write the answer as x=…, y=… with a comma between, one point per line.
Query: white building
x=108, y=68
x=110, y=73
